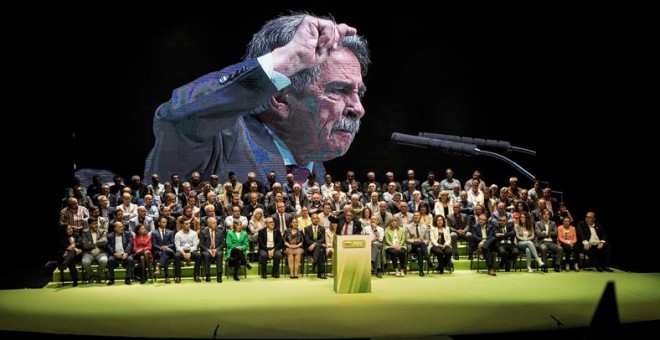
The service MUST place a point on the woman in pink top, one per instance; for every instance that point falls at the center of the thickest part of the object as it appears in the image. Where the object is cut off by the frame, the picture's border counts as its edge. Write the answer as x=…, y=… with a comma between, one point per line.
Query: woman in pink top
x=142, y=250
x=567, y=239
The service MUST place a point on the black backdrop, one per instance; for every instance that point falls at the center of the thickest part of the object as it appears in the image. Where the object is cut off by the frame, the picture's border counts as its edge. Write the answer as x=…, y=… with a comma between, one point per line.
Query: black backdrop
x=552, y=80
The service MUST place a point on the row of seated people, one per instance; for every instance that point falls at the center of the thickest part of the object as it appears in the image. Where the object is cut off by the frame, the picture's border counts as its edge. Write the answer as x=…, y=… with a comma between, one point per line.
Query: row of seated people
x=566, y=242
x=430, y=188
x=162, y=245
x=460, y=224
x=296, y=196
x=125, y=247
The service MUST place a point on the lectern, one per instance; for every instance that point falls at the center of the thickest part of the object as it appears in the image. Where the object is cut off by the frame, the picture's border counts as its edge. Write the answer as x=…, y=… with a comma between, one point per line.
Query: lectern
x=352, y=264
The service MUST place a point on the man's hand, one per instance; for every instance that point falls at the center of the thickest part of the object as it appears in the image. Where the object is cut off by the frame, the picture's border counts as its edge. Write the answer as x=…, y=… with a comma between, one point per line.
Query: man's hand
x=311, y=45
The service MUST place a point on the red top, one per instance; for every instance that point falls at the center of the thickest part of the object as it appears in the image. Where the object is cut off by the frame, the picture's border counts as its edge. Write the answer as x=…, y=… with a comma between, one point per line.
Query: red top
x=141, y=243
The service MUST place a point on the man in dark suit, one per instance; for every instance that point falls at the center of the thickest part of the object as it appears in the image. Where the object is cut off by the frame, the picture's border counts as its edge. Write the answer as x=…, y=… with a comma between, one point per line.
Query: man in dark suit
x=162, y=244
x=120, y=248
x=213, y=242
x=347, y=225
x=282, y=217
x=246, y=117
x=594, y=242
x=271, y=245
x=314, y=243
x=484, y=239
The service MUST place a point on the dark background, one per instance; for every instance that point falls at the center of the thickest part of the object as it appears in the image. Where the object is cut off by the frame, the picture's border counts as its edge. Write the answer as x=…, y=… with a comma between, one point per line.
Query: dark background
x=555, y=80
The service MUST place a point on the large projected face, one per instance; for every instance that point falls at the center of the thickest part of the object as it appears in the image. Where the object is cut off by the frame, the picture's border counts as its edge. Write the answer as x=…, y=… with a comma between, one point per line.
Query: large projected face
x=243, y=119
x=321, y=123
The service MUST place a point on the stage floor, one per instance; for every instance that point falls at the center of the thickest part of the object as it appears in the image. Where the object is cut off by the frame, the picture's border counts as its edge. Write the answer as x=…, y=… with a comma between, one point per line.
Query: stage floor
x=464, y=302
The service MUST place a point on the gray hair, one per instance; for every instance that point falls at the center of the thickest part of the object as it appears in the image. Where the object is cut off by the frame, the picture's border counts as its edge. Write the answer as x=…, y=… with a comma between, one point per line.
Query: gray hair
x=279, y=32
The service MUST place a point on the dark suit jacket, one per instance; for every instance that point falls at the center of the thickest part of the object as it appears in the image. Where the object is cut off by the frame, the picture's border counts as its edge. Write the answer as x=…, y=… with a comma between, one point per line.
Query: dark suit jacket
x=88, y=242
x=205, y=239
x=510, y=234
x=248, y=210
x=476, y=232
x=304, y=201
x=309, y=236
x=126, y=240
x=357, y=226
x=287, y=219
x=206, y=126
x=584, y=233
x=539, y=231
x=157, y=241
x=262, y=239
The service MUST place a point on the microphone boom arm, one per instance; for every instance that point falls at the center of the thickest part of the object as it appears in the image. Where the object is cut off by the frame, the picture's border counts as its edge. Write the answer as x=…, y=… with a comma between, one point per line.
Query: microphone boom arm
x=462, y=148
x=506, y=160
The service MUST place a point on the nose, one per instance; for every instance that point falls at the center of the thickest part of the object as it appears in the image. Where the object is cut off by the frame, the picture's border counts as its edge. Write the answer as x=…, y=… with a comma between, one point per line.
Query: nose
x=354, y=108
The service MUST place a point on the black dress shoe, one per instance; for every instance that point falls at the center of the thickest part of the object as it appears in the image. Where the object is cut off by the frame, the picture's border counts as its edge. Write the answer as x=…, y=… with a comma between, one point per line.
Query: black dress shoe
x=110, y=282
x=208, y=279
x=599, y=269
x=197, y=279
x=607, y=269
x=322, y=276
x=263, y=276
x=177, y=280
x=379, y=274
x=127, y=281
x=422, y=274
x=248, y=266
x=75, y=283
x=557, y=269
x=236, y=278
x=277, y=276
x=219, y=279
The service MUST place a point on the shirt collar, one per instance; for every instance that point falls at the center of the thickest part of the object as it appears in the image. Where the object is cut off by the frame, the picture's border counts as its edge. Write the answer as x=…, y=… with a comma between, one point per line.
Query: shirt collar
x=285, y=152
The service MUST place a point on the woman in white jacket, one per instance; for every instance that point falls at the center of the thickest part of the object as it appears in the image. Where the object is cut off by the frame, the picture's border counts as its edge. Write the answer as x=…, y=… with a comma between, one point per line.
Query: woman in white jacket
x=440, y=244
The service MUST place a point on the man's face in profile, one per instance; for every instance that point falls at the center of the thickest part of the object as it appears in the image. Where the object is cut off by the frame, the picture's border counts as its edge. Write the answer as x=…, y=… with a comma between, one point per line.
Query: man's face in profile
x=328, y=115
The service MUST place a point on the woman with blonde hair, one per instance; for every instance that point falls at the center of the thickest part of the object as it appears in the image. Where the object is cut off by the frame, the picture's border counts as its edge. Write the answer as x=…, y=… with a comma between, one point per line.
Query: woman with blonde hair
x=257, y=222
x=567, y=239
x=394, y=243
x=442, y=206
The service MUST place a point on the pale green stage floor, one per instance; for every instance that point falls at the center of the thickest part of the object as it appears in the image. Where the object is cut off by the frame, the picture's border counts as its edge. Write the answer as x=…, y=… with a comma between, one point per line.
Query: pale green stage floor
x=458, y=303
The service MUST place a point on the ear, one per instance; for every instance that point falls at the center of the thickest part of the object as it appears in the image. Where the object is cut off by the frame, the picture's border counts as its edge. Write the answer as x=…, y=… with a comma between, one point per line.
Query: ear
x=278, y=104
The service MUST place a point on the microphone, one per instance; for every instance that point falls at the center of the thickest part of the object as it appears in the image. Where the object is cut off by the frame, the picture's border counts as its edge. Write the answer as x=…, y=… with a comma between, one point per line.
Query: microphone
x=434, y=144
x=480, y=142
x=465, y=149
